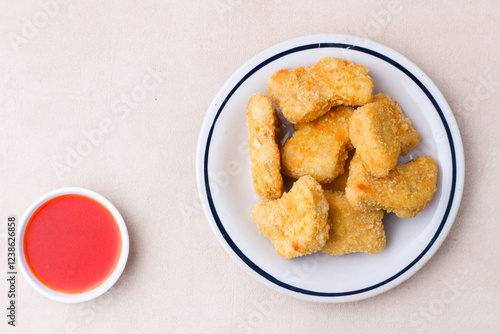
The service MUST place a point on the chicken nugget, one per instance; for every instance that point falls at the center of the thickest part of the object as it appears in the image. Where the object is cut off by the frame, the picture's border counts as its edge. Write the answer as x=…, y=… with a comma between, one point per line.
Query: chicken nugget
x=380, y=132
x=350, y=230
x=263, y=123
x=297, y=223
x=319, y=148
x=304, y=94
x=406, y=191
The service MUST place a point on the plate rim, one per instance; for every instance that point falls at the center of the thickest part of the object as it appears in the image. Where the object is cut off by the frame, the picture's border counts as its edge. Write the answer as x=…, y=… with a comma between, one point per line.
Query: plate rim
x=347, y=42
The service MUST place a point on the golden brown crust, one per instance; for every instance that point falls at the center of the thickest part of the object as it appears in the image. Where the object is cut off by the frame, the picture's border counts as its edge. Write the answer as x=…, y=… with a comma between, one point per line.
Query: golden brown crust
x=304, y=94
x=380, y=132
x=319, y=148
x=297, y=222
x=263, y=122
x=406, y=191
x=340, y=182
x=350, y=230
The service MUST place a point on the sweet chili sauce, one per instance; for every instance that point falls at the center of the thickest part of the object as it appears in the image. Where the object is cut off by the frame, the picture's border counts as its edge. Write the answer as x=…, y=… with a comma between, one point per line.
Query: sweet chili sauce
x=72, y=243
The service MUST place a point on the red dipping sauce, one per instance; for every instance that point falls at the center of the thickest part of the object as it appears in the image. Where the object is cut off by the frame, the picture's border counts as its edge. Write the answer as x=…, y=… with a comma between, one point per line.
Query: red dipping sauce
x=72, y=243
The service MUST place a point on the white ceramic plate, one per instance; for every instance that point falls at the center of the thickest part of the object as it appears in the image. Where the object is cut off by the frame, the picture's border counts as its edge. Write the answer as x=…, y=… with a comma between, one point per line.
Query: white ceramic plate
x=225, y=182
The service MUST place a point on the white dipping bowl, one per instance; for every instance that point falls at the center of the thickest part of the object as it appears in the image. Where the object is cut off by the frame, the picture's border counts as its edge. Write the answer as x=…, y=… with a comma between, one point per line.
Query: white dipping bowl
x=71, y=297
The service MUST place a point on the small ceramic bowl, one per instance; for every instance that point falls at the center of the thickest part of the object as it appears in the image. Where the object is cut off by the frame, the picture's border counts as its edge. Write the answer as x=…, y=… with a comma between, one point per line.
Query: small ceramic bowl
x=69, y=297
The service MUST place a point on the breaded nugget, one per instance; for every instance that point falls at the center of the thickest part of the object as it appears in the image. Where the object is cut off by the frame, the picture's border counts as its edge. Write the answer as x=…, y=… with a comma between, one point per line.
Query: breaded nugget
x=380, y=132
x=350, y=230
x=263, y=123
x=297, y=223
x=340, y=182
x=319, y=148
x=304, y=94
x=406, y=191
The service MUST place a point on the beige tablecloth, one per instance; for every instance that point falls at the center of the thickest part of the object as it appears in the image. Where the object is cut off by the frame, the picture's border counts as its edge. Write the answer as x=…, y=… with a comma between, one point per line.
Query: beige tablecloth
x=138, y=78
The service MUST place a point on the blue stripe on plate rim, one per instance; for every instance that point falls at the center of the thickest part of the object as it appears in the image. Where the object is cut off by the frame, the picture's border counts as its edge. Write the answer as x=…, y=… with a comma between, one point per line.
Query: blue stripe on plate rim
x=256, y=268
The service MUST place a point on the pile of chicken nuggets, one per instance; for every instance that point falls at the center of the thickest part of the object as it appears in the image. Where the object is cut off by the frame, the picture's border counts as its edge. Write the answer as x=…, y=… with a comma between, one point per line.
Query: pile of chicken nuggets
x=343, y=155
